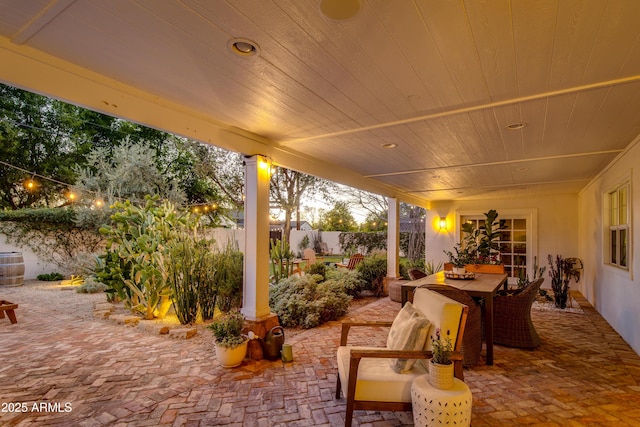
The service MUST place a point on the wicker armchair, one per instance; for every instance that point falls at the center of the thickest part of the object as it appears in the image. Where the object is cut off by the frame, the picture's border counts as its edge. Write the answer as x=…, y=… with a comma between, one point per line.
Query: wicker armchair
x=415, y=274
x=512, y=325
x=472, y=340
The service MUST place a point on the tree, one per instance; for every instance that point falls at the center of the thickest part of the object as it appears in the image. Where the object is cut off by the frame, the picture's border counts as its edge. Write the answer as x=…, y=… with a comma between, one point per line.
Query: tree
x=131, y=173
x=375, y=204
x=415, y=216
x=34, y=138
x=45, y=138
x=339, y=218
x=287, y=190
x=375, y=221
x=218, y=179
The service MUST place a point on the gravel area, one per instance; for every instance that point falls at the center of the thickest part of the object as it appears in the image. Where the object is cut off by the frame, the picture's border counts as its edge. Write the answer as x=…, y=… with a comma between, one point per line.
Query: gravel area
x=63, y=300
x=54, y=296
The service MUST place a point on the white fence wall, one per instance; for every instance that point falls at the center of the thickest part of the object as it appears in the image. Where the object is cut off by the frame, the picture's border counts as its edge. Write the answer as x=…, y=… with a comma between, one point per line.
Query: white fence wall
x=331, y=238
x=223, y=236
x=32, y=264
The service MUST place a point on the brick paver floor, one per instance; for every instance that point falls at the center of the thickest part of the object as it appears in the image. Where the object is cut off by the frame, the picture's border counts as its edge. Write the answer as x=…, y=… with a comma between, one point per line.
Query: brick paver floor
x=59, y=369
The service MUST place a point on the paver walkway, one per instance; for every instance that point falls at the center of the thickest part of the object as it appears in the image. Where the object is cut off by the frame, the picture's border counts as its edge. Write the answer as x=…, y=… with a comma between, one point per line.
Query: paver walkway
x=90, y=372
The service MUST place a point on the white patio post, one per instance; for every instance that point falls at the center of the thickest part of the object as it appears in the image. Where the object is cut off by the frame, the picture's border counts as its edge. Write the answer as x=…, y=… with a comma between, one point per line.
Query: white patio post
x=393, y=238
x=255, y=302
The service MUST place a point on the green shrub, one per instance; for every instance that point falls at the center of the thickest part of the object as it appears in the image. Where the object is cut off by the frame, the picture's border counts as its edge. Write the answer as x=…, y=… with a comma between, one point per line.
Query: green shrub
x=138, y=242
x=365, y=241
x=91, y=286
x=307, y=301
x=229, y=271
x=373, y=270
x=349, y=280
x=317, y=268
x=50, y=277
x=190, y=269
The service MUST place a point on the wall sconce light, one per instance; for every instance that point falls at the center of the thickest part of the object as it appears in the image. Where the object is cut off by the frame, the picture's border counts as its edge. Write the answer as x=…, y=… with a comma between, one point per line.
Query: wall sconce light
x=443, y=223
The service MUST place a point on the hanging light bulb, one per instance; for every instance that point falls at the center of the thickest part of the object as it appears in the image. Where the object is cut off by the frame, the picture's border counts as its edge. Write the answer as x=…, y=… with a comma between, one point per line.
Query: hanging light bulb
x=30, y=184
x=71, y=196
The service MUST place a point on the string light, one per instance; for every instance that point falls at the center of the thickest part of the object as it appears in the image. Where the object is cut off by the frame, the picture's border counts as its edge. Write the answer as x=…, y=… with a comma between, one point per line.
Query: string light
x=32, y=184
x=201, y=208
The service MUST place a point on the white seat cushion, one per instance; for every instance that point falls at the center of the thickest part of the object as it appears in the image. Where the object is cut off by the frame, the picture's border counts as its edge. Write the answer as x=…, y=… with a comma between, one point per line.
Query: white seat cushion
x=376, y=380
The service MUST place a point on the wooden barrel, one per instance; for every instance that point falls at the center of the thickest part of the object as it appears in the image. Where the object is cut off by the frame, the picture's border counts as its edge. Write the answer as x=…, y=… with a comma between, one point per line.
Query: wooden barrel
x=11, y=268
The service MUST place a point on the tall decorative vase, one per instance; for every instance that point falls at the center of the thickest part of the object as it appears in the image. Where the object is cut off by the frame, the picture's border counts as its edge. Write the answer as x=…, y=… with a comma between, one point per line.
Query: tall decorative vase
x=441, y=376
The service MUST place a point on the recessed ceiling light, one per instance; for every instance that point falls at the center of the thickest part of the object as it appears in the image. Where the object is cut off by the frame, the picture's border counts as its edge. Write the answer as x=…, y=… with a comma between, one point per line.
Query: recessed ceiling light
x=339, y=10
x=515, y=126
x=243, y=47
x=389, y=145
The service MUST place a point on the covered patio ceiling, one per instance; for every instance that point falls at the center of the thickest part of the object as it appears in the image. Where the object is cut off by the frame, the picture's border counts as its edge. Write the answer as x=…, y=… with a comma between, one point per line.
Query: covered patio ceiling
x=440, y=81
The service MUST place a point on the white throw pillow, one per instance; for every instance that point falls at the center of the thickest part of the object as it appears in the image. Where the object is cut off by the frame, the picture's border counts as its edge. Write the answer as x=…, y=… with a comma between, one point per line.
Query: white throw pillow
x=408, y=332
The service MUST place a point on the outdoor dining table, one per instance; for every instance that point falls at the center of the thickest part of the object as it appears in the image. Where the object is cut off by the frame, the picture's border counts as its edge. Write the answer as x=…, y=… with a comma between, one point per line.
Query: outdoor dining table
x=483, y=285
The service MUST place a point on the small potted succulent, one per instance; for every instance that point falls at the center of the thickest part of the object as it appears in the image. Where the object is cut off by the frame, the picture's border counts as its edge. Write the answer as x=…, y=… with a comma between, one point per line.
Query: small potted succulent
x=230, y=342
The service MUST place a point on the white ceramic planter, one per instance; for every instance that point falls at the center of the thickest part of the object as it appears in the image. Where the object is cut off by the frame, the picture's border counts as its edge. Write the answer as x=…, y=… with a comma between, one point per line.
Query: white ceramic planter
x=459, y=270
x=231, y=357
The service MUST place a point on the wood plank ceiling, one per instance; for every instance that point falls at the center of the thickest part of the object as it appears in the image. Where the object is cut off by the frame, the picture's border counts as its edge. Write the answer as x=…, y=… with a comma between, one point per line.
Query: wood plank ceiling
x=440, y=79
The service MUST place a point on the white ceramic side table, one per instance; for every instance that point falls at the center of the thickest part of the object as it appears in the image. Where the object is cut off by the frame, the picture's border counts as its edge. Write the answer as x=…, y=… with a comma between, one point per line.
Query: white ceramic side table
x=434, y=407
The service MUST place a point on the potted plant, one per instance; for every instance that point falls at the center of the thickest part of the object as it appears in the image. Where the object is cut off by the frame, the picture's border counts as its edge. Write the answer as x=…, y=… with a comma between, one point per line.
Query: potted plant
x=441, y=366
x=461, y=258
x=230, y=342
x=483, y=243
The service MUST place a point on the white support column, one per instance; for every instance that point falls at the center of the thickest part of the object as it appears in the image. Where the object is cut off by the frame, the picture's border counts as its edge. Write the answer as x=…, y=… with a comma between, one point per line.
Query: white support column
x=393, y=239
x=255, y=302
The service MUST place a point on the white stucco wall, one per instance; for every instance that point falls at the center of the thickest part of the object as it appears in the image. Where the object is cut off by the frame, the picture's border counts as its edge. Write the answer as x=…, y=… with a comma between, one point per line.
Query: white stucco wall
x=612, y=291
x=555, y=233
x=32, y=265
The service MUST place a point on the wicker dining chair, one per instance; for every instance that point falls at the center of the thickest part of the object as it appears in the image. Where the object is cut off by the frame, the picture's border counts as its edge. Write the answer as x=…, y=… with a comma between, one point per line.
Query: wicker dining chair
x=415, y=274
x=472, y=340
x=512, y=325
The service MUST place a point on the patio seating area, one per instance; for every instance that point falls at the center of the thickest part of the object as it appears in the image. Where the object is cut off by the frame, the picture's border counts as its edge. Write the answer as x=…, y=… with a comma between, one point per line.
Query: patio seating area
x=583, y=373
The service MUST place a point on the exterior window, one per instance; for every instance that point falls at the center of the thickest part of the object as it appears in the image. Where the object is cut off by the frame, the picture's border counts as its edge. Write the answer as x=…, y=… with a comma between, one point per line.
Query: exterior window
x=619, y=224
